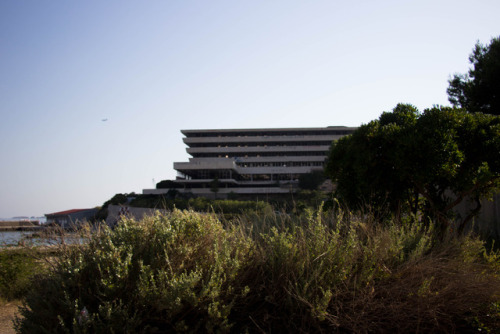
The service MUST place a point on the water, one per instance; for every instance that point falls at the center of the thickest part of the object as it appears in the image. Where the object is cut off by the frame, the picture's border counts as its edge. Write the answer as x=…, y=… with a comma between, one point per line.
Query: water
x=41, y=220
x=15, y=238
x=12, y=238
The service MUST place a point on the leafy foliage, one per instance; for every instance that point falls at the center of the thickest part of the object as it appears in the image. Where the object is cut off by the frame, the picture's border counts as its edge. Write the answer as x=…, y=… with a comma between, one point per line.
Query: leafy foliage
x=479, y=89
x=364, y=165
x=312, y=180
x=159, y=274
x=265, y=272
x=168, y=184
x=408, y=162
x=199, y=204
x=214, y=186
x=116, y=200
x=17, y=266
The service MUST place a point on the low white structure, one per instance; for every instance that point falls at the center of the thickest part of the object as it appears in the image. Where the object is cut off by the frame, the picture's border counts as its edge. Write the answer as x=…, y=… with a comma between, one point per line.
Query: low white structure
x=251, y=161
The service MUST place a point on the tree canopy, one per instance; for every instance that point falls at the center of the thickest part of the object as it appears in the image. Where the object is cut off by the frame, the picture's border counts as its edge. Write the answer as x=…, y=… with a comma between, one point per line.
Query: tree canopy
x=411, y=161
x=311, y=180
x=168, y=184
x=214, y=186
x=479, y=89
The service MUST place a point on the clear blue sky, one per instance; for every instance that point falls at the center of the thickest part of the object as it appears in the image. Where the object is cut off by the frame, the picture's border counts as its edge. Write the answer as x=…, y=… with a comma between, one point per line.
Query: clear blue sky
x=153, y=68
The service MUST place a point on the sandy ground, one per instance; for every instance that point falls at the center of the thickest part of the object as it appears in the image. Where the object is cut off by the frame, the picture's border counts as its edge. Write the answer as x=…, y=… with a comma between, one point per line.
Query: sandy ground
x=7, y=312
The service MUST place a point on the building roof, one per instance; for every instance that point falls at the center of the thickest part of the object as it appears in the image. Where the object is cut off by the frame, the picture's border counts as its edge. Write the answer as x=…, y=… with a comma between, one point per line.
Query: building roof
x=266, y=129
x=67, y=212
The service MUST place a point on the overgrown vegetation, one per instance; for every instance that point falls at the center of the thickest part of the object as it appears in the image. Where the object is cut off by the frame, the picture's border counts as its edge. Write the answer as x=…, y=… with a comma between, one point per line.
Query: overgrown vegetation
x=266, y=272
x=478, y=90
x=412, y=162
x=17, y=267
x=199, y=204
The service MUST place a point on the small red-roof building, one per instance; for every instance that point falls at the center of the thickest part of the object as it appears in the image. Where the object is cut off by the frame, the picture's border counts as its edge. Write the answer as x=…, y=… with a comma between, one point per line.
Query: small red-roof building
x=70, y=217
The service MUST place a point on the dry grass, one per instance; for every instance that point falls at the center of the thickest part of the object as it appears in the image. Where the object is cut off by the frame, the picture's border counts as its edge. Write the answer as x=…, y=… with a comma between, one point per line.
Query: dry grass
x=8, y=312
x=269, y=272
x=435, y=294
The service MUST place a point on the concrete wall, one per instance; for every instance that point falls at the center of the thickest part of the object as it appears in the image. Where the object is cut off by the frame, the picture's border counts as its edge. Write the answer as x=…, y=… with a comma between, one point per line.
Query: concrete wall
x=223, y=192
x=260, y=139
x=206, y=163
x=256, y=149
x=82, y=216
x=487, y=222
x=67, y=220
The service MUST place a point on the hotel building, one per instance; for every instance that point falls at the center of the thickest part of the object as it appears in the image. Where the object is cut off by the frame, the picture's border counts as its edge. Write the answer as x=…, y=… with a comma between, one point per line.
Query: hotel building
x=251, y=161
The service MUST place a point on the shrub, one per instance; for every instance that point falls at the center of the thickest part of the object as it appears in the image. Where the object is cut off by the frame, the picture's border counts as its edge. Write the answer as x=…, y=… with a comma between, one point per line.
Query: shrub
x=337, y=272
x=267, y=272
x=305, y=266
x=164, y=273
x=16, y=268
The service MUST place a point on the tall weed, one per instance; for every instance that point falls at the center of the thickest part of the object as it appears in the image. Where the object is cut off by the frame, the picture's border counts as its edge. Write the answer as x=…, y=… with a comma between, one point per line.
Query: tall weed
x=163, y=273
x=267, y=271
x=17, y=266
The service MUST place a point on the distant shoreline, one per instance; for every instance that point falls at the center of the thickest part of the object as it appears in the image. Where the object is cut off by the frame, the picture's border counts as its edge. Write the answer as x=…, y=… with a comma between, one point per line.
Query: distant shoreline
x=20, y=225
x=21, y=228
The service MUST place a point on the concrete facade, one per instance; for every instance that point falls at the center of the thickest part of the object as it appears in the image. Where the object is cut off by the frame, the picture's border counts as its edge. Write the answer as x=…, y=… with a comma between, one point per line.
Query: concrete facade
x=252, y=161
x=486, y=222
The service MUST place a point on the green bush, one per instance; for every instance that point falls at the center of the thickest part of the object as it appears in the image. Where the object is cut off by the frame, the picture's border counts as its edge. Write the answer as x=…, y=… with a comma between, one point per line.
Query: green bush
x=198, y=204
x=267, y=272
x=311, y=266
x=17, y=266
x=163, y=273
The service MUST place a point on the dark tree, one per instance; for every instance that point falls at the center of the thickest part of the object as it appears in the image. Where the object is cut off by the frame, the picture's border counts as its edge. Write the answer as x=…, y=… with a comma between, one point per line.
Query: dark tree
x=430, y=162
x=214, y=186
x=168, y=184
x=368, y=166
x=479, y=89
x=312, y=180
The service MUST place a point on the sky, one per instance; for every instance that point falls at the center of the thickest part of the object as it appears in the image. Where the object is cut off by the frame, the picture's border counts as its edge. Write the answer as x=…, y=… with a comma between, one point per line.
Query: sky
x=153, y=68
